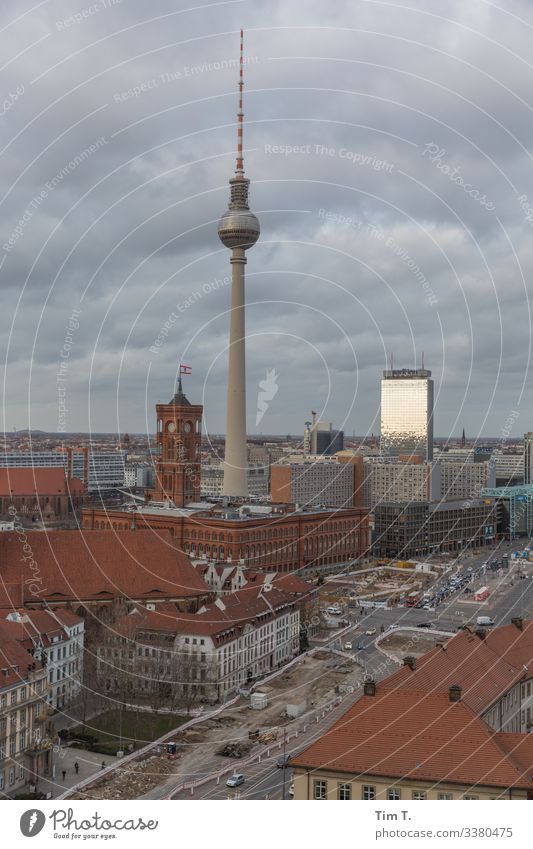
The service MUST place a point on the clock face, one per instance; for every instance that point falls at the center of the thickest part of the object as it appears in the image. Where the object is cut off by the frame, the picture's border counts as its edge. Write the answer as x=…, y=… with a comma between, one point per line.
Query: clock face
x=187, y=427
x=171, y=427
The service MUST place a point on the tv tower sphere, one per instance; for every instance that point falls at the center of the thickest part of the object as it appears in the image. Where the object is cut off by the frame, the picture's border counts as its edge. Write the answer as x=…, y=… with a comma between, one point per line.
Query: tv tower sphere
x=238, y=228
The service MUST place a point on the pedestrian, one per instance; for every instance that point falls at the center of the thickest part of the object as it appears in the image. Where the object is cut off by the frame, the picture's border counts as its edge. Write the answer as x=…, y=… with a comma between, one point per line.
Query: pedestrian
x=103, y=764
x=64, y=774
x=77, y=767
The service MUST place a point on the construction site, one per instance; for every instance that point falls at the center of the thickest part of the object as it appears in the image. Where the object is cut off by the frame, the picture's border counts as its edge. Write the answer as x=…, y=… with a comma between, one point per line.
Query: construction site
x=215, y=744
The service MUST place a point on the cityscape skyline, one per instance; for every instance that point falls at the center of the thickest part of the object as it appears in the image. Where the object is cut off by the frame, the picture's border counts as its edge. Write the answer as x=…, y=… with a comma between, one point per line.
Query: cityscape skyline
x=366, y=261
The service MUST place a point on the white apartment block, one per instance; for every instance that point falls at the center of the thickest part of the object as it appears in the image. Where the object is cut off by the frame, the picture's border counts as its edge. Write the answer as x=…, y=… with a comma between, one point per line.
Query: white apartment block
x=212, y=479
x=400, y=482
x=99, y=470
x=56, y=639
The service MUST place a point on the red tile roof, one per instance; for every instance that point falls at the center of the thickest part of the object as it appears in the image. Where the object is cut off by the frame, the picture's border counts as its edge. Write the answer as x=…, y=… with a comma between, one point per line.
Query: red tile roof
x=416, y=735
x=466, y=660
x=30, y=481
x=248, y=605
x=15, y=662
x=92, y=565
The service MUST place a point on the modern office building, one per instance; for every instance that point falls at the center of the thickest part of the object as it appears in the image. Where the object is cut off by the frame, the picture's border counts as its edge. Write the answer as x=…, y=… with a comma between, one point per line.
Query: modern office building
x=324, y=439
x=407, y=413
x=417, y=529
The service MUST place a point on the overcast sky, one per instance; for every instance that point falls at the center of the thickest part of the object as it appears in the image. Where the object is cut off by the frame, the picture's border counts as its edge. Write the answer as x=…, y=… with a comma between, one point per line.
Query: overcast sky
x=391, y=163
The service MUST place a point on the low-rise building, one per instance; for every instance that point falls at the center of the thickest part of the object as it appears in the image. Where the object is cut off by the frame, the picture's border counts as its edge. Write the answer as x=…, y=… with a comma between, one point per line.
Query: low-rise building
x=452, y=724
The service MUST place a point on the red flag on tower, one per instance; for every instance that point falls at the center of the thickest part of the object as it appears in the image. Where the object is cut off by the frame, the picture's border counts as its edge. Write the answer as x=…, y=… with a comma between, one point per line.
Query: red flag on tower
x=185, y=369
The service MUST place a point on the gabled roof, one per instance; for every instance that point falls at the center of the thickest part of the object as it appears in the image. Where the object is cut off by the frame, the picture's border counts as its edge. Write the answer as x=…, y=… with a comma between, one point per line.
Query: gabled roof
x=15, y=661
x=91, y=565
x=222, y=622
x=417, y=735
x=466, y=660
x=32, y=481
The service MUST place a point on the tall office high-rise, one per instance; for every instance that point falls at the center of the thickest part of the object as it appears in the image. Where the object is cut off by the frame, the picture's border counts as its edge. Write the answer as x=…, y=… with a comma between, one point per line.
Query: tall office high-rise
x=407, y=413
x=238, y=229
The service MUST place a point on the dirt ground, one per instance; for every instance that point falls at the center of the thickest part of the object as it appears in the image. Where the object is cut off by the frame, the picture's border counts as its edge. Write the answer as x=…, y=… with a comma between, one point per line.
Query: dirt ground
x=313, y=680
x=415, y=643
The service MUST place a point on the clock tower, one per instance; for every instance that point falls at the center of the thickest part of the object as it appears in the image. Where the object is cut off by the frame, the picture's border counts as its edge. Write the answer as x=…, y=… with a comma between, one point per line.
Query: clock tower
x=179, y=435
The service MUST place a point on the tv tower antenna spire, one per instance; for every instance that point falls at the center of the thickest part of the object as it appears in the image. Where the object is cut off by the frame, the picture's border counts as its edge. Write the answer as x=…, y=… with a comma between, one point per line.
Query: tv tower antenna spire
x=238, y=230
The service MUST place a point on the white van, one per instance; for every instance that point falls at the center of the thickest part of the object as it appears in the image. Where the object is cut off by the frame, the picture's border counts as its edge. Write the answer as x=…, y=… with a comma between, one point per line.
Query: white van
x=485, y=621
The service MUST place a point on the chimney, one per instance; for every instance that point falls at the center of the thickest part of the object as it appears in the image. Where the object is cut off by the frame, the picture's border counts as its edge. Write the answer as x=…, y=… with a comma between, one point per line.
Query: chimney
x=481, y=633
x=455, y=693
x=369, y=688
x=410, y=661
x=518, y=622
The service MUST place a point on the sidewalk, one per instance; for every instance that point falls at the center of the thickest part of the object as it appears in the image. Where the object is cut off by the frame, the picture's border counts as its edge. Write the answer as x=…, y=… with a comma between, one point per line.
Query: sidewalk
x=89, y=763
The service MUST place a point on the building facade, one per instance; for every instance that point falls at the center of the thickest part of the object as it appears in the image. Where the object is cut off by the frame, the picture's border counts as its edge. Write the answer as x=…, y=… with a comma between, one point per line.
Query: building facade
x=417, y=529
x=407, y=413
x=463, y=712
x=203, y=657
x=39, y=494
x=99, y=471
x=179, y=437
x=212, y=483
x=313, y=482
x=264, y=537
x=25, y=748
x=400, y=482
x=55, y=638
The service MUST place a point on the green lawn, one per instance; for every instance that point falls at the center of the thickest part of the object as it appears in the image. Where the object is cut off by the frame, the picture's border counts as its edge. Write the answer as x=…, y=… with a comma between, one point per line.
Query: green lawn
x=137, y=727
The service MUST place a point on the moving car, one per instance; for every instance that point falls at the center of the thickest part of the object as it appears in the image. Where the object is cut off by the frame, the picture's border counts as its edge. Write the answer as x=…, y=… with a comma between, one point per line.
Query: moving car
x=282, y=761
x=485, y=620
x=334, y=610
x=370, y=632
x=425, y=625
x=291, y=789
x=348, y=646
x=235, y=780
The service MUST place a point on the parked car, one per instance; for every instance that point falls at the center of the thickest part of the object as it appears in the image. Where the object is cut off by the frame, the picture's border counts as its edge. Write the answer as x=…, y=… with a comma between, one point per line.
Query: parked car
x=282, y=761
x=425, y=625
x=348, y=646
x=235, y=780
x=334, y=610
x=370, y=632
x=360, y=646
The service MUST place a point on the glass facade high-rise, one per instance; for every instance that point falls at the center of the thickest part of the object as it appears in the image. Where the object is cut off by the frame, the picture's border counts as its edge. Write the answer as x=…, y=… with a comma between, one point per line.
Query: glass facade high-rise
x=407, y=413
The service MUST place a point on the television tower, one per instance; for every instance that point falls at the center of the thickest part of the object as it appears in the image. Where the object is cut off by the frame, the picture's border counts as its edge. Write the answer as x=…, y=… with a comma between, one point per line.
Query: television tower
x=238, y=229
